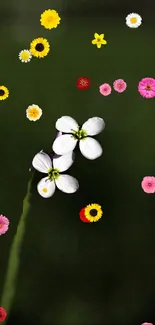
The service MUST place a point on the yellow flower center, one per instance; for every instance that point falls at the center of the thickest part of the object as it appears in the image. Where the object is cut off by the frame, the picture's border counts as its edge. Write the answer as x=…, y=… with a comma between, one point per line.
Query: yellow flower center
x=25, y=56
x=133, y=20
x=83, y=82
x=44, y=190
x=33, y=112
x=98, y=39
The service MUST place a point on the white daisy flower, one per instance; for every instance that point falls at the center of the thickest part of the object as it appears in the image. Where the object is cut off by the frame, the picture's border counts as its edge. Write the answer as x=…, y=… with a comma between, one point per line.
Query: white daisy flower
x=89, y=147
x=25, y=56
x=133, y=20
x=33, y=112
x=53, y=168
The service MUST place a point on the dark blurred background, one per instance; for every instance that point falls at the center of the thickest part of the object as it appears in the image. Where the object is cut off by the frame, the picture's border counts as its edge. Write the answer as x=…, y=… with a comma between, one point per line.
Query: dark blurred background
x=73, y=273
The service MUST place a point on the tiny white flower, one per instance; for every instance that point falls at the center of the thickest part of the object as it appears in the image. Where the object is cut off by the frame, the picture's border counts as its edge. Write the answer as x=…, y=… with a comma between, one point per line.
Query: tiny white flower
x=53, y=168
x=89, y=147
x=133, y=20
x=25, y=56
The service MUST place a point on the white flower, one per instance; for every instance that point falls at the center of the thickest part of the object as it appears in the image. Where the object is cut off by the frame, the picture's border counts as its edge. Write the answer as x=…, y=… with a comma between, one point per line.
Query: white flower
x=65, y=183
x=33, y=112
x=89, y=147
x=25, y=56
x=133, y=20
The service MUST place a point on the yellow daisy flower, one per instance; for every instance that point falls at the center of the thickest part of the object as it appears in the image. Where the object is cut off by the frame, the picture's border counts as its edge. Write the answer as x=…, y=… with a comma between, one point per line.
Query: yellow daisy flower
x=93, y=212
x=39, y=47
x=25, y=56
x=33, y=113
x=4, y=92
x=50, y=19
x=99, y=40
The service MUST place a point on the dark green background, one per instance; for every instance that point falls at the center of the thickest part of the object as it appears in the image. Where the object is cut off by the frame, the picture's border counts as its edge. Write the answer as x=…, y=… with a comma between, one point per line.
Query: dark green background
x=73, y=273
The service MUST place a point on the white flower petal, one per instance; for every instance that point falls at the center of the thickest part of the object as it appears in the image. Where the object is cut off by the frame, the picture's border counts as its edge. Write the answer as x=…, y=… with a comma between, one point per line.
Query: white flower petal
x=66, y=124
x=64, y=144
x=63, y=163
x=94, y=125
x=46, y=188
x=67, y=184
x=90, y=148
x=42, y=162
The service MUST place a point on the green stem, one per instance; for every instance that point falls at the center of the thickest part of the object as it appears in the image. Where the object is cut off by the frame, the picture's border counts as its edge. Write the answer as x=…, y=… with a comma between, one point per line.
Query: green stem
x=14, y=256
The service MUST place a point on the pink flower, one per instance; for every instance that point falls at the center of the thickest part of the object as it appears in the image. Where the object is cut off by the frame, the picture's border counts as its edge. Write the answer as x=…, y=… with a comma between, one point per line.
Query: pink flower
x=146, y=87
x=147, y=324
x=148, y=184
x=119, y=85
x=105, y=89
x=4, y=224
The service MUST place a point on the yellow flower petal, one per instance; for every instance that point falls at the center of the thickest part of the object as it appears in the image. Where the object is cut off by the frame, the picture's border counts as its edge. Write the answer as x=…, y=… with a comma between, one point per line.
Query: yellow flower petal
x=99, y=45
x=94, y=41
x=101, y=36
x=96, y=35
x=104, y=41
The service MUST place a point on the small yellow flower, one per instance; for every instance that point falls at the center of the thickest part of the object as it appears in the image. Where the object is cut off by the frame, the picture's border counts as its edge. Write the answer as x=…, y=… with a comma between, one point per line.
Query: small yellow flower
x=39, y=47
x=50, y=19
x=4, y=92
x=93, y=212
x=25, y=56
x=33, y=113
x=99, y=40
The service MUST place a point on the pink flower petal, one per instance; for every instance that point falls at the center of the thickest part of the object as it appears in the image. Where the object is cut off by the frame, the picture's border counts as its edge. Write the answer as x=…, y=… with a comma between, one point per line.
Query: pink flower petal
x=119, y=85
x=148, y=184
x=4, y=224
x=105, y=89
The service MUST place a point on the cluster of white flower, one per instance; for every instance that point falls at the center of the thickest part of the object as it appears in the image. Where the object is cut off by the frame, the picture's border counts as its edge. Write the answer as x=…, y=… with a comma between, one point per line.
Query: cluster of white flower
x=63, y=157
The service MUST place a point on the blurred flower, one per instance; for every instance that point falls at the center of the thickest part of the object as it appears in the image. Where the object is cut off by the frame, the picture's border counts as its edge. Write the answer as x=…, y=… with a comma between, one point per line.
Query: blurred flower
x=4, y=92
x=53, y=167
x=83, y=83
x=146, y=87
x=93, y=212
x=99, y=40
x=119, y=85
x=25, y=56
x=3, y=314
x=89, y=147
x=105, y=89
x=133, y=20
x=82, y=216
x=148, y=184
x=33, y=112
x=39, y=47
x=4, y=224
x=50, y=19
x=147, y=323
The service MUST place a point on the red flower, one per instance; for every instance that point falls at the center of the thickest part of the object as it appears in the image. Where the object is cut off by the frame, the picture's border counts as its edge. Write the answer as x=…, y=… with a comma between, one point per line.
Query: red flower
x=83, y=83
x=82, y=216
x=3, y=314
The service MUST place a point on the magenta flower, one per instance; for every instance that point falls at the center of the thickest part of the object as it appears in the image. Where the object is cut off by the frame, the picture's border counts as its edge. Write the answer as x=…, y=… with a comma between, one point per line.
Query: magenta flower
x=105, y=89
x=146, y=87
x=119, y=85
x=148, y=184
x=4, y=224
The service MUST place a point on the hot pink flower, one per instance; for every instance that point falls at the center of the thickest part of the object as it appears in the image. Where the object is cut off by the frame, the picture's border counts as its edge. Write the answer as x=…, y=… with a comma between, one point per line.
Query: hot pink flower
x=148, y=184
x=147, y=323
x=146, y=87
x=105, y=89
x=4, y=224
x=119, y=85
